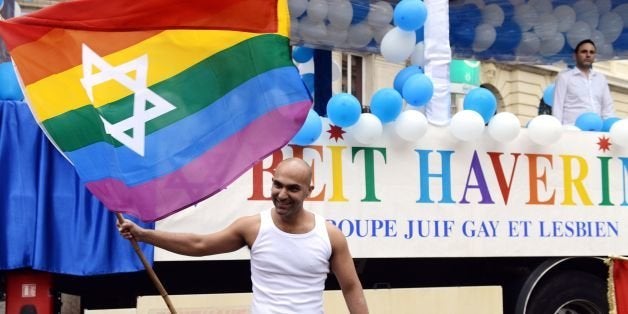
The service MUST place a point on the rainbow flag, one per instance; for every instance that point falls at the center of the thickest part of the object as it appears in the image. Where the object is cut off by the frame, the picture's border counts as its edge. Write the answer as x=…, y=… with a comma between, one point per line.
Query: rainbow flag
x=159, y=104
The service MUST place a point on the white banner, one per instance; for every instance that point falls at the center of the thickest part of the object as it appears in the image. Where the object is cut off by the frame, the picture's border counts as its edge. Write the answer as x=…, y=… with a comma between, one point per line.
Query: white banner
x=441, y=197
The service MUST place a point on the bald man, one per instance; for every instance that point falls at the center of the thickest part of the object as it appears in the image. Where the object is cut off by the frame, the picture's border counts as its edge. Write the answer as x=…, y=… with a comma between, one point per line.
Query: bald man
x=292, y=249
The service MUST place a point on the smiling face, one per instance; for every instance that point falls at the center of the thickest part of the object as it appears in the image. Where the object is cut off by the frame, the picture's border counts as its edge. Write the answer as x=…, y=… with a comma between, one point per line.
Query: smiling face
x=291, y=186
x=585, y=56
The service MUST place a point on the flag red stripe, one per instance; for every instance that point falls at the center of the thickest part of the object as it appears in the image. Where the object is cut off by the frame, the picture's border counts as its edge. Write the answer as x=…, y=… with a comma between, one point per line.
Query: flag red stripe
x=122, y=16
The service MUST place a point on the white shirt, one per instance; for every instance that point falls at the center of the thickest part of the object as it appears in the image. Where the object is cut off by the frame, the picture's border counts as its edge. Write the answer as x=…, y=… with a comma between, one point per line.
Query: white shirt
x=288, y=270
x=575, y=94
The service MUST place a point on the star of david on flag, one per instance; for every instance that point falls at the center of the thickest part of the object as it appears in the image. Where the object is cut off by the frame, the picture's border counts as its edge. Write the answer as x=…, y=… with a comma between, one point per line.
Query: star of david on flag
x=158, y=114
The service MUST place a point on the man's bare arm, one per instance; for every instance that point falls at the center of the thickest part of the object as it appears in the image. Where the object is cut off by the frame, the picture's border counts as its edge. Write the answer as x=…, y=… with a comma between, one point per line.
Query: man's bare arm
x=227, y=240
x=344, y=269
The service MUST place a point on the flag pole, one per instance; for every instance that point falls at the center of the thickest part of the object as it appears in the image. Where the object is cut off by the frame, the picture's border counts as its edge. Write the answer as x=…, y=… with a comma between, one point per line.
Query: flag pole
x=149, y=269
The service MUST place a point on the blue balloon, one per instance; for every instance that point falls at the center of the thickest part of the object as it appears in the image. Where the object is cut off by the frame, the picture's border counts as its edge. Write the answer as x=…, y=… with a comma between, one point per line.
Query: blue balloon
x=360, y=10
x=420, y=34
x=409, y=15
x=403, y=76
x=548, y=94
x=418, y=90
x=9, y=85
x=608, y=123
x=386, y=104
x=308, y=80
x=621, y=43
x=469, y=13
x=462, y=36
x=344, y=110
x=302, y=54
x=310, y=131
x=507, y=39
x=482, y=101
x=589, y=121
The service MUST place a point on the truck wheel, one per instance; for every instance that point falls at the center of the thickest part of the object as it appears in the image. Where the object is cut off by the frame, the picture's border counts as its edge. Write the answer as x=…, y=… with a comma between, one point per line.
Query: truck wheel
x=570, y=292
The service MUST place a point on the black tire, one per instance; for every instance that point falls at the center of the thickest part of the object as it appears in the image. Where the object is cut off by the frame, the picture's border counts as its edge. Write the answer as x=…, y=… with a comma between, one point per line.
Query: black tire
x=569, y=292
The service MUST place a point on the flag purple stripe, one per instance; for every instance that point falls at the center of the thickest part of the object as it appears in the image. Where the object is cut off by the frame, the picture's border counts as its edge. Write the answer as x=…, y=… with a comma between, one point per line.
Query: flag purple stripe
x=212, y=171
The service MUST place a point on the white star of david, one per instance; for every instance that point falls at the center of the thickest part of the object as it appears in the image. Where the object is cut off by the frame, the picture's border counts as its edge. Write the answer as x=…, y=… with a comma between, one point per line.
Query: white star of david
x=141, y=115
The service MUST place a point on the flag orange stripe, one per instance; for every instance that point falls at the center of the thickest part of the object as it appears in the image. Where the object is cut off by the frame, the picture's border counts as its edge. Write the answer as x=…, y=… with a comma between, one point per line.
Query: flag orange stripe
x=52, y=60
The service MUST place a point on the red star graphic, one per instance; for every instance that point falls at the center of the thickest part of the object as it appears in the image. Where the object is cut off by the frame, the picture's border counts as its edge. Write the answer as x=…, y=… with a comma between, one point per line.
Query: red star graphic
x=335, y=132
x=604, y=143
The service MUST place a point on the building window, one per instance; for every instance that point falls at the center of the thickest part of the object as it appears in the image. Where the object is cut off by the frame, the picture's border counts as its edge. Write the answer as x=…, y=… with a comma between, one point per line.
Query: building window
x=352, y=75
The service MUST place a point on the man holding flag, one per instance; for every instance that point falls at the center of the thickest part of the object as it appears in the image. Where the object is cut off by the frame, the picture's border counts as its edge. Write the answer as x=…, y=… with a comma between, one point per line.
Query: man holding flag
x=292, y=249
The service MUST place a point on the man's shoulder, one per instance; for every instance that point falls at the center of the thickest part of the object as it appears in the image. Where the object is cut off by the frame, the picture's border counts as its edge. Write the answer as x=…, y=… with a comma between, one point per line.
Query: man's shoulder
x=248, y=221
x=598, y=74
x=569, y=71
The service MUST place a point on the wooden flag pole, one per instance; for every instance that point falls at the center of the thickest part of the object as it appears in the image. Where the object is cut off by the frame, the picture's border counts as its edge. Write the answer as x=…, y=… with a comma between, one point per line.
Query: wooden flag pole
x=149, y=269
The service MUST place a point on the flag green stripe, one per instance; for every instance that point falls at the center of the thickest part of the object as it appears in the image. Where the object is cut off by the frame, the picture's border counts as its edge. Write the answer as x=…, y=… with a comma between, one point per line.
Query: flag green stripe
x=190, y=91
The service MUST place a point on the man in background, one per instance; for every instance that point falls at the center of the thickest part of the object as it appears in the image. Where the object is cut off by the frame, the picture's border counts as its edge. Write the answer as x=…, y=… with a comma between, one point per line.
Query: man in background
x=582, y=89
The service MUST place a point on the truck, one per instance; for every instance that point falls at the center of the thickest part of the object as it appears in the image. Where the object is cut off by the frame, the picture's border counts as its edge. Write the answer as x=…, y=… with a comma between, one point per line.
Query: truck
x=538, y=221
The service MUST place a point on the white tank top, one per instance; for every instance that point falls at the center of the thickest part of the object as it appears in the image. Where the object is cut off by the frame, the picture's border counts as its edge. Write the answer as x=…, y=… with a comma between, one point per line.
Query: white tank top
x=288, y=271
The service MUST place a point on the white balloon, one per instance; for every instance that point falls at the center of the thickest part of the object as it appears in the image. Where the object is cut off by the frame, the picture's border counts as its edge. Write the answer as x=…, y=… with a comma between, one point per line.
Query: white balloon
x=517, y=2
x=397, y=45
x=297, y=8
x=619, y=133
x=418, y=55
x=553, y=45
x=565, y=16
x=307, y=67
x=504, y=127
x=597, y=37
x=611, y=25
x=546, y=27
x=578, y=32
x=359, y=35
x=587, y=12
x=493, y=15
x=467, y=125
x=485, y=35
x=411, y=125
x=544, y=129
x=606, y=51
x=622, y=10
x=529, y=45
x=603, y=6
x=312, y=31
x=541, y=6
x=526, y=16
x=294, y=29
x=380, y=32
x=380, y=14
x=368, y=129
x=340, y=14
x=336, y=38
x=317, y=10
